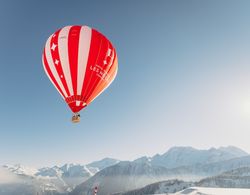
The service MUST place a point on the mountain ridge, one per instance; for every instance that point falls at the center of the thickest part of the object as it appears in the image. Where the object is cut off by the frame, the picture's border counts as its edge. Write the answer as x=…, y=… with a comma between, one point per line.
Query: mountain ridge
x=176, y=163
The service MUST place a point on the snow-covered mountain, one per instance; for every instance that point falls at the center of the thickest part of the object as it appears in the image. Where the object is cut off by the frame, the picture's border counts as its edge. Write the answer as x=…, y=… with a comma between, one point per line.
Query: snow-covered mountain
x=186, y=156
x=187, y=163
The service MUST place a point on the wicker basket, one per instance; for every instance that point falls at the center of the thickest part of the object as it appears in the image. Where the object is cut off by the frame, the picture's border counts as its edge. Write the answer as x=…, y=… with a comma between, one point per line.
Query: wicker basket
x=75, y=118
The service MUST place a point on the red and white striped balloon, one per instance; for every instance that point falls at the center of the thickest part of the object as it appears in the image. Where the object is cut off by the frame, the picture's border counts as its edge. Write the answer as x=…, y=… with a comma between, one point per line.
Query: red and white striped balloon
x=81, y=63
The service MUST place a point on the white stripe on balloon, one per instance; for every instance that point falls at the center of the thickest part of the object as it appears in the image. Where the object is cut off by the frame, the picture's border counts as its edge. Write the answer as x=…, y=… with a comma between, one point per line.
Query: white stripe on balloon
x=64, y=56
x=83, y=54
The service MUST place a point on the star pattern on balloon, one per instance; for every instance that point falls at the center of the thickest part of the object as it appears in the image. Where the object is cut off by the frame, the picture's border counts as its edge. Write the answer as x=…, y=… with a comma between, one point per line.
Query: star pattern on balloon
x=53, y=47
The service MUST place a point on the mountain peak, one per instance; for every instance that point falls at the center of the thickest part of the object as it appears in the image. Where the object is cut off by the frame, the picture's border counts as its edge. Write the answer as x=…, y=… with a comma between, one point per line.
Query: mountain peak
x=181, y=149
x=101, y=164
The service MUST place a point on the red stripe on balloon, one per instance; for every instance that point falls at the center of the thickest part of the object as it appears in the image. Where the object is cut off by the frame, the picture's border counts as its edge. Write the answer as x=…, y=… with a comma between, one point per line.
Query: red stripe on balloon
x=73, y=46
x=105, y=66
x=104, y=83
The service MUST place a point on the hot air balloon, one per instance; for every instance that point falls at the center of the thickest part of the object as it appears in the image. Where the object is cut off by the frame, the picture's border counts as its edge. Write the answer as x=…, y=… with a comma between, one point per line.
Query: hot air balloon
x=81, y=63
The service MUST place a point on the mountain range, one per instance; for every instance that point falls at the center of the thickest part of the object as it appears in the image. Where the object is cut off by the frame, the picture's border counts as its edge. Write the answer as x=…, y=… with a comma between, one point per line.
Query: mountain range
x=114, y=176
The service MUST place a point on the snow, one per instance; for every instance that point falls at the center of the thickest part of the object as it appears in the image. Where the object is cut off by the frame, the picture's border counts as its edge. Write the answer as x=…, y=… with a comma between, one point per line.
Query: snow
x=213, y=191
x=88, y=171
x=172, y=186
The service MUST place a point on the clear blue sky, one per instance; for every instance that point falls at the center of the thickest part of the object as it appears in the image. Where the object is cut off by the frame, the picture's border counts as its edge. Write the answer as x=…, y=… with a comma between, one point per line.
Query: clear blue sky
x=184, y=79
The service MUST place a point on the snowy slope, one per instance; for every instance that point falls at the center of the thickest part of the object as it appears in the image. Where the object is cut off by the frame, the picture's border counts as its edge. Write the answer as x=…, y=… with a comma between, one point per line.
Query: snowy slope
x=213, y=191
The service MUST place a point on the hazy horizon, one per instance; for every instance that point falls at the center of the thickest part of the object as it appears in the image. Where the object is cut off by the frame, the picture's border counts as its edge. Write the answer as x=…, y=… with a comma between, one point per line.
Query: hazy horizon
x=183, y=80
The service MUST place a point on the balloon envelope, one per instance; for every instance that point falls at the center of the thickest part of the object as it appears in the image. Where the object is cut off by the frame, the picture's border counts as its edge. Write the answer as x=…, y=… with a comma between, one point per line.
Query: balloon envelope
x=81, y=63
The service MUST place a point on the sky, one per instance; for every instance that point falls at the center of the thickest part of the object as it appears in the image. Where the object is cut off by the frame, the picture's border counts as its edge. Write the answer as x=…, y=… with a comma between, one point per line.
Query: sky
x=183, y=80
